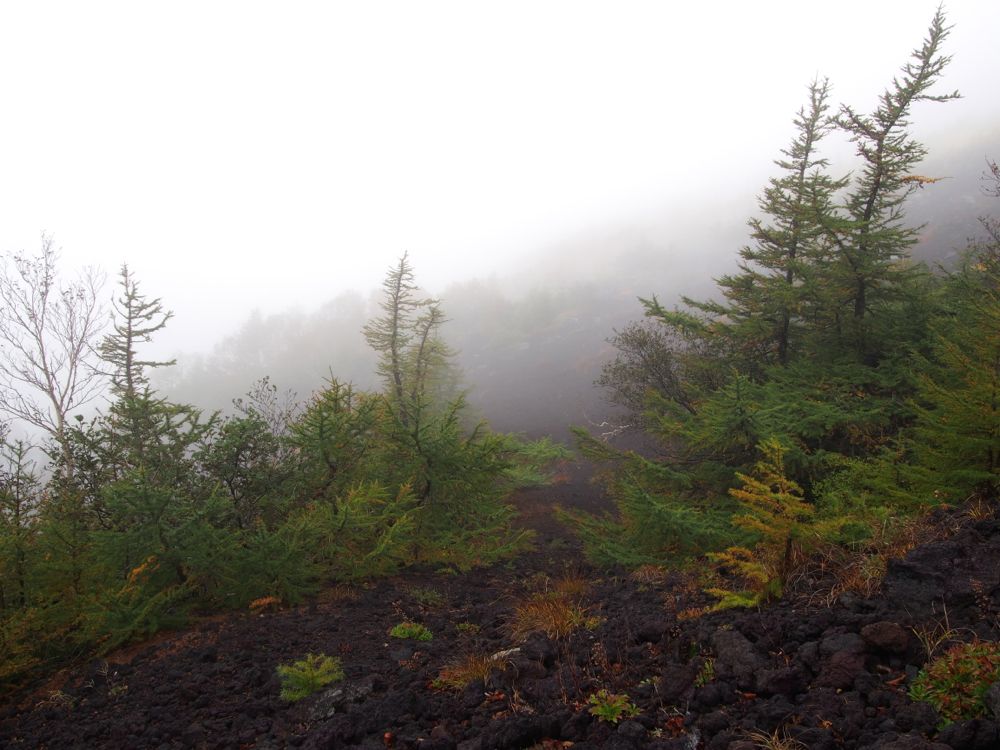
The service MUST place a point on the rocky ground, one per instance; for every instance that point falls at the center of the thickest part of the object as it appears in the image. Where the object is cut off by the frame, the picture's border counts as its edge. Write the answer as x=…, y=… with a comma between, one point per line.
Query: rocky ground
x=826, y=676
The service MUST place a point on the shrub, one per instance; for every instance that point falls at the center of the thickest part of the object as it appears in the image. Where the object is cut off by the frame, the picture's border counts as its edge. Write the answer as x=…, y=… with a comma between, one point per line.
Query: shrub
x=411, y=630
x=302, y=678
x=956, y=682
x=612, y=707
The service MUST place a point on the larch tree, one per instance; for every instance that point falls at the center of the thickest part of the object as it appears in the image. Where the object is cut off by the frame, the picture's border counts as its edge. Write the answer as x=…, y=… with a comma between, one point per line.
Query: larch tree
x=390, y=334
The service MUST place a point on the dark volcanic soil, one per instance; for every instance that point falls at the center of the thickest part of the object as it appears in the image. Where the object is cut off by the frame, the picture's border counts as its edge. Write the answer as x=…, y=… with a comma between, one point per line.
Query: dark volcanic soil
x=828, y=677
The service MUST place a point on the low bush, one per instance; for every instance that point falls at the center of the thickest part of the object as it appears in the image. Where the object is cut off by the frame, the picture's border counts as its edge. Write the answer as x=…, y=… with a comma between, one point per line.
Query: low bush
x=956, y=682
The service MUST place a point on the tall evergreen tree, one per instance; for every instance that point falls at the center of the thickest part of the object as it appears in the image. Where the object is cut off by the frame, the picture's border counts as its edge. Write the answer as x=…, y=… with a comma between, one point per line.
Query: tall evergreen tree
x=776, y=281
x=874, y=237
x=392, y=333
x=136, y=320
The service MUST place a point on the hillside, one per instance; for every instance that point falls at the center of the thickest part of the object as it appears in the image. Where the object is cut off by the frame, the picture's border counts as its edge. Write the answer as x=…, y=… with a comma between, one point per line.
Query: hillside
x=824, y=670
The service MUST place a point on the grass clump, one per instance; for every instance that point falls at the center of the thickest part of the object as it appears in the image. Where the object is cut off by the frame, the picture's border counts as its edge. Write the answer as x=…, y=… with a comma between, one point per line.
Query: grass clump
x=774, y=741
x=464, y=670
x=553, y=613
x=306, y=676
x=411, y=630
x=611, y=707
x=956, y=682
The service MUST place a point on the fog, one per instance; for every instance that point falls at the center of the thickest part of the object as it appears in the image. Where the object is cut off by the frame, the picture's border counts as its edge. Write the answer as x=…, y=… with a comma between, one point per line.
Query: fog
x=529, y=344
x=260, y=168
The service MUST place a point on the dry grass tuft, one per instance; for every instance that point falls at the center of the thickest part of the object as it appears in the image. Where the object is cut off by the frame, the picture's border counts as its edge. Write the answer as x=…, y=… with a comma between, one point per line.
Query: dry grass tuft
x=980, y=509
x=935, y=634
x=464, y=670
x=649, y=574
x=555, y=614
x=861, y=570
x=571, y=585
x=692, y=613
x=774, y=741
x=265, y=604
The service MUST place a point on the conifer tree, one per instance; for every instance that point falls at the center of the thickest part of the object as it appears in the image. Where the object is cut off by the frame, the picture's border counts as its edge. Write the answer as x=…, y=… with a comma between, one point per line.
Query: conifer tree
x=957, y=433
x=392, y=333
x=137, y=319
x=766, y=299
x=775, y=511
x=20, y=495
x=871, y=237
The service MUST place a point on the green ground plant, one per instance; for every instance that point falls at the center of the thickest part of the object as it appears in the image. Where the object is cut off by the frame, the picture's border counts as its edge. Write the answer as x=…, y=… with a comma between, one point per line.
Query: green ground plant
x=611, y=707
x=956, y=682
x=412, y=631
x=309, y=675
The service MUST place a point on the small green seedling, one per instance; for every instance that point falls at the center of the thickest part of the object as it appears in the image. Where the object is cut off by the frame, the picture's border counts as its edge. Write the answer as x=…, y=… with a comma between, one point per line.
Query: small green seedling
x=306, y=676
x=611, y=707
x=706, y=674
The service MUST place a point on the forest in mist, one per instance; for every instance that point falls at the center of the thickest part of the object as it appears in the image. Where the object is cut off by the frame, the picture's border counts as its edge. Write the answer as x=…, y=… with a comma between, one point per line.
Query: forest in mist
x=530, y=344
x=808, y=376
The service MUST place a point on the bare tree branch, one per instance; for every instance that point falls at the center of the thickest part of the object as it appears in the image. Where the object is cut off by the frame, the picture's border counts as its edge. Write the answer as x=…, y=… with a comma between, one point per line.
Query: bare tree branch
x=48, y=330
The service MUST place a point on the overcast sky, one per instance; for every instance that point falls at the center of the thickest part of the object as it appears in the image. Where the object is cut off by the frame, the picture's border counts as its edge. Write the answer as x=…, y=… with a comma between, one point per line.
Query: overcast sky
x=244, y=154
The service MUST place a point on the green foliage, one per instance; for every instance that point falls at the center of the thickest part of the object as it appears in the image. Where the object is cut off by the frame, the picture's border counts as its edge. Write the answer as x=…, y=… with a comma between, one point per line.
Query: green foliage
x=956, y=440
x=956, y=682
x=426, y=597
x=302, y=678
x=20, y=488
x=706, y=674
x=869, y=235
x=774, y=511
x=794, y=391
x=611, y=707
x=280, y=562
x=530, y=460
x=136, y=320
x=658, y=518
x=761, y=320
x=336, y=436
x=251, y=465
x=412, y=631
